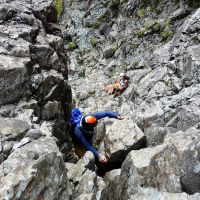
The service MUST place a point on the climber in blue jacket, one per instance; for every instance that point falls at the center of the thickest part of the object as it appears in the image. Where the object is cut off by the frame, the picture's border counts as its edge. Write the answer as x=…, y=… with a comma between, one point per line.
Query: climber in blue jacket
x=84, y=132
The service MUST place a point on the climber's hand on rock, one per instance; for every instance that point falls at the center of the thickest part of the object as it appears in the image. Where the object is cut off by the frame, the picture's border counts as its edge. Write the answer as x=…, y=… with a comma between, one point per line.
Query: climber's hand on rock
x=122, y=117
x=102, y=158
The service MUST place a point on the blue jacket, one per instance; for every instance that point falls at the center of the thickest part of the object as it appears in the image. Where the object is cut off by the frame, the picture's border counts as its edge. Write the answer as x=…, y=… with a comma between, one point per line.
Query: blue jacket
x=81, y=135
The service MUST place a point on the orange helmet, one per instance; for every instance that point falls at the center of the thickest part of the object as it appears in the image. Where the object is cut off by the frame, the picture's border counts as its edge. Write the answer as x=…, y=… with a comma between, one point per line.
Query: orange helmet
x=90, y=120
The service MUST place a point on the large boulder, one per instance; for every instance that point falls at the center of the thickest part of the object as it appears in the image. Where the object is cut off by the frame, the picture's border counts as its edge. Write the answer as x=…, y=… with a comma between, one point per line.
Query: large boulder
x=76, y=171
x=172, y=167
x=122, y=137
x=12, y=128
x=14, y=78
x=34, y=171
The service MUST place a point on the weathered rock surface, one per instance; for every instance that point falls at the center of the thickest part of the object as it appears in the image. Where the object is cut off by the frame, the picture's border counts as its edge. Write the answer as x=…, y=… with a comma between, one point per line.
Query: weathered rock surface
x=171, y=167
x=34, y=171
x=14, y=77
x=33, y=66
x=122, y=137
x=34, y=102
x=76, y=171
x=157, y=45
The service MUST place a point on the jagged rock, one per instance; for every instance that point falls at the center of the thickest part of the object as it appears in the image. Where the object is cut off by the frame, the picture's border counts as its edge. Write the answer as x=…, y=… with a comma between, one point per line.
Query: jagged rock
x=100, y=134
x=76, y=171
x=46, y=128
x=147, y=84
x=33, y=134
x=14, y=76
x=171, y=167
x=162, y=98
x=127, y=9
x=13, y=128
x=29, y=163
x=24, y=141
x=5, y=149
x=191, y=24
x=188, y=147
x=29, y=172
x=122, y=137
x=16, y=47
x=35, y=82
x=45, y=11
x=187, y=104
x=86, y=186
x=109, y=52
x=6, y=110
x=41, y=54
x=50, y=110
x=70, y=169
x=110, y=68
x=110, y=190
x=149, y=194
x=110, y=176
x=54, y=87
x=155, y=135
x=68, y=151
x=179, y=14
x=55, y=42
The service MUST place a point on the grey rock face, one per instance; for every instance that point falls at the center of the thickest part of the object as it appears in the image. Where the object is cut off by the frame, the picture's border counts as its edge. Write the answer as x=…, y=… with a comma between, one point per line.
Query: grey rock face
x=13, y=128
x=50, y=110
x=33, y=171
x=76, y=171
x=14, y=77
x=34, y=134
x=167, y=168
x=32, y=167
x=109, y=52
x=156, y=43
x=149, y=193
x=33, y=65
x=121, y=138
x=83, y=176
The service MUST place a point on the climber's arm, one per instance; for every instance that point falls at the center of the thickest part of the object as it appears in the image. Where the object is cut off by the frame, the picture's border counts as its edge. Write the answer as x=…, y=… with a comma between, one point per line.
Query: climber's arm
x=80, y=136
x=103, y=114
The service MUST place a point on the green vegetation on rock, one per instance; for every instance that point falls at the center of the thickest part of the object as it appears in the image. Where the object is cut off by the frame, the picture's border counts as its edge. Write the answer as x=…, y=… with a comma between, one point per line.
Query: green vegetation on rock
x=156, y=26
x=114, y=5
x=134, y=65
x=165, y=30
x=166, y=34
x=141, y=13
x=134, y=46
x=72, y=46
x=96, y=25
x=59, y=6
x=100, y=20
x=141, y=32
x=93, y=42
x=196, y=40
x=194, y=3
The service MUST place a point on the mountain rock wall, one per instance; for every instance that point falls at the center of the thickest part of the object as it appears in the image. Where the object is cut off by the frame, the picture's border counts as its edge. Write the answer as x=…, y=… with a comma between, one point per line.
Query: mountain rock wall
x=57, y=54
x=156, y=43
x=35, y=100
